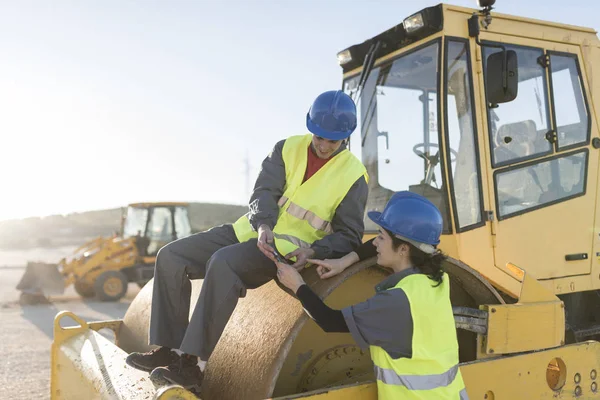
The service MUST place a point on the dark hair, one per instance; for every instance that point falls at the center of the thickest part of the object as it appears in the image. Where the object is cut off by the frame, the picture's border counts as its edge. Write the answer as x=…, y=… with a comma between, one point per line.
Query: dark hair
x=429, y=264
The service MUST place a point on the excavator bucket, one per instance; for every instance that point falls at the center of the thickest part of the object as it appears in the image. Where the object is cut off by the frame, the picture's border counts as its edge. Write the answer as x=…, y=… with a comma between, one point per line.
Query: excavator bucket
x=41, y=279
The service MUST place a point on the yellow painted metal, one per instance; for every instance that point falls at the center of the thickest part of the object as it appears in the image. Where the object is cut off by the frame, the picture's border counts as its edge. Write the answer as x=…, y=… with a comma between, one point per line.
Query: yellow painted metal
x=535, y=322
x=174, y=392
x=363, y=391
x=112, y=254
x=530, y=375
x=455, y=24
x=368, y=236
x=515, y=328
x=531, y=290
x=576, y=234
x=87, y=263
x=572, y=370
x=100, y=255
x=489, y=248
x=86, y=365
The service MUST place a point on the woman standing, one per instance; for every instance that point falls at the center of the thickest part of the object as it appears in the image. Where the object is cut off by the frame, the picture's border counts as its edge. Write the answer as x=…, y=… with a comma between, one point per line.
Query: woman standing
x=408, y=324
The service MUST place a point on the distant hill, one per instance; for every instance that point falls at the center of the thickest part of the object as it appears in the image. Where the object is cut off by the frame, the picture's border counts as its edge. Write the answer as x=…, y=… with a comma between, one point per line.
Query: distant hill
x=76, y=228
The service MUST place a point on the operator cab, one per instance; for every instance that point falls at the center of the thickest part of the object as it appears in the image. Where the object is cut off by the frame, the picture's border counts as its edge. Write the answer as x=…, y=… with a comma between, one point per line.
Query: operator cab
x=153, y=225
x=494, y=128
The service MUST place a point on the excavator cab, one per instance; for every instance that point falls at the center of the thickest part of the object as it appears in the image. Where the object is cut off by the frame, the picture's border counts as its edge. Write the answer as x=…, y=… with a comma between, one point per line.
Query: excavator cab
x=153, y=226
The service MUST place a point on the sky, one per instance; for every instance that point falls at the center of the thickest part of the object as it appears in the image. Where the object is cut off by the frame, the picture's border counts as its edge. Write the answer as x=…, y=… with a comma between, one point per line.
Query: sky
x=104, y=103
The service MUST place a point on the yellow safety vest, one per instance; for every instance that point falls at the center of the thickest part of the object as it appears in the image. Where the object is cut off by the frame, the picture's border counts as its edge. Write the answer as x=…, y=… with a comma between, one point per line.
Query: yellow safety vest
x=432, y=372
x=306, y=209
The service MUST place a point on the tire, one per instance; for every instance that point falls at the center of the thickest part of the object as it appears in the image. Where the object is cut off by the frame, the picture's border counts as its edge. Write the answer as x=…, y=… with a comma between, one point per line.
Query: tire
x=84, y=289
x=110, y=286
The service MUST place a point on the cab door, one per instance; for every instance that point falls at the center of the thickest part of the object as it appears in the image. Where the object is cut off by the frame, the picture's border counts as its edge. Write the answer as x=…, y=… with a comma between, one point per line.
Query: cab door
x=543, y=167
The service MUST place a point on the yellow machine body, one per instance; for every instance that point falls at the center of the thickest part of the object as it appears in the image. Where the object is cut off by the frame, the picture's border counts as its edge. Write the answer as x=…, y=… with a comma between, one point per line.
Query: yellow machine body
x=104, y=266
x=522, y=227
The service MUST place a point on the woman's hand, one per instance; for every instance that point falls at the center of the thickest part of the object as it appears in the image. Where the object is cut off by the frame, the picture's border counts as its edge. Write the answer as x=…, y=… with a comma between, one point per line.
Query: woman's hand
x=332, y=267
x=289, y=277
x=302, y=255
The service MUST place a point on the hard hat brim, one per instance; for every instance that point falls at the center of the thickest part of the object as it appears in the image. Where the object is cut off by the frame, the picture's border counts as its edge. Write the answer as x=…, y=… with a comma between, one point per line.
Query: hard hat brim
x=316, y=130
x=375, y=216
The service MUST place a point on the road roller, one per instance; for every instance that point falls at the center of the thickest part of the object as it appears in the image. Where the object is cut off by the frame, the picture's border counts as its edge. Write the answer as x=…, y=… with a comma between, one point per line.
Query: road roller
x=492, y=118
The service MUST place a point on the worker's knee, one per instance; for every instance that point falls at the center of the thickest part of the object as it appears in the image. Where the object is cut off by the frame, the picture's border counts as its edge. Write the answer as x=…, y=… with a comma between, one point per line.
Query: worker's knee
x=220, y=274
x=162, y=254
x=164, y=258
x=220, y=260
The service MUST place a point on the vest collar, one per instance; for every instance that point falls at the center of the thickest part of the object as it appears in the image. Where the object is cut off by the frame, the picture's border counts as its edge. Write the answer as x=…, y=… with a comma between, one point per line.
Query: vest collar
x=392, y=280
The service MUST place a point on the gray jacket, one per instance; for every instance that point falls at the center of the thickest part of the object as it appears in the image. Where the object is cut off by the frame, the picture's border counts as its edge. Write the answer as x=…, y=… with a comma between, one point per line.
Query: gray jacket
x=347, y=223
x=384, y=320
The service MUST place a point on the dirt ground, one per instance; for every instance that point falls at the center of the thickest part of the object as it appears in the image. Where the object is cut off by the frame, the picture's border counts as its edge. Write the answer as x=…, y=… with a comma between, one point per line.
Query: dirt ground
x=26, y=334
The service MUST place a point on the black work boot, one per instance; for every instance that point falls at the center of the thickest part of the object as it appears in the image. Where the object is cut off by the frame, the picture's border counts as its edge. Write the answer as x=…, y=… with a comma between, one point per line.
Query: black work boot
x=185, y=372
x=158, y=357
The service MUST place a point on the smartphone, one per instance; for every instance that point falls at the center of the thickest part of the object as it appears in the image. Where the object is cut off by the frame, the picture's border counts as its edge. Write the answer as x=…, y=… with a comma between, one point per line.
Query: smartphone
x=281, y=259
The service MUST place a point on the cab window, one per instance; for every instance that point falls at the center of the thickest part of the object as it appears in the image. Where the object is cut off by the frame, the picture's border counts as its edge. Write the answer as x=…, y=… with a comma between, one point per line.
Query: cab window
x=461, y=137
x=398, y=134
x=570, y=107
x=517, y=129
x=527, y=128
x=160, y=229
x=540, y=183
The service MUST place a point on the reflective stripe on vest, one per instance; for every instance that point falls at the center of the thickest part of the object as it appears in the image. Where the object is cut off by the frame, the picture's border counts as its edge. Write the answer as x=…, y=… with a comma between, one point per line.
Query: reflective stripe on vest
x=307, y=208
x=292, y=239
x=314, y=220
x=433, y=370
x=416, y=382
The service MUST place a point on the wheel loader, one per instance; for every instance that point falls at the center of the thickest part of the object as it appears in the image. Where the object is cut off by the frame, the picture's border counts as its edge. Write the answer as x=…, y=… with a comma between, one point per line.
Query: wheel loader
x=103, y=267
x=493, y=118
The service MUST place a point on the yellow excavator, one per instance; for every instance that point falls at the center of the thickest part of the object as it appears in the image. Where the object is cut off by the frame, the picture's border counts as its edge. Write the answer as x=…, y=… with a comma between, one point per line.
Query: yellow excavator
x=103, y=267
x=493, y=118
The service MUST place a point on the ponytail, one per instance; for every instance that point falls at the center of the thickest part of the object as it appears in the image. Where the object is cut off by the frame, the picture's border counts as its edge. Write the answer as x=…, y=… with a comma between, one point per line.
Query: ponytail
x=429, y=264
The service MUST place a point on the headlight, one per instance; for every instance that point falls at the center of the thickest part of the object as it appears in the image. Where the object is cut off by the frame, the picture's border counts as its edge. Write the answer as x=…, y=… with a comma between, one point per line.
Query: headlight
x=413, y=23
x=344, y=57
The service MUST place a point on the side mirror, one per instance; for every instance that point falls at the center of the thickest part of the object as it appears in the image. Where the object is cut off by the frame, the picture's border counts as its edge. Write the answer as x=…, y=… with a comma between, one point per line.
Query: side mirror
x=502, y=77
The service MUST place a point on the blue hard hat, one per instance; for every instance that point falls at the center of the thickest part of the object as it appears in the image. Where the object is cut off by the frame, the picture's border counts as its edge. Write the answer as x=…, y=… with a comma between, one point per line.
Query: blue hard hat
x=332, y=115
x=412, y=218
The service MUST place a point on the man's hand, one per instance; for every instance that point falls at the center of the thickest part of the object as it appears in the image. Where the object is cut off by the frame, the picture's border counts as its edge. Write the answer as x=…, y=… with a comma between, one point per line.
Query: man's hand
x=302, y=255
x=265, y=241
x=289, y=277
